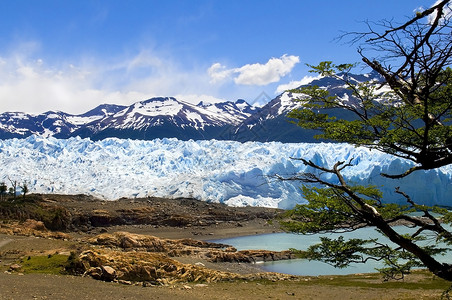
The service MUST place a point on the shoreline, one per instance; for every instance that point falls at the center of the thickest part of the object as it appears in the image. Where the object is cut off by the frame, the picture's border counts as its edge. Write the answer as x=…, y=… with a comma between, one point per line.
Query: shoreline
x=177, y=219
x=203, y=233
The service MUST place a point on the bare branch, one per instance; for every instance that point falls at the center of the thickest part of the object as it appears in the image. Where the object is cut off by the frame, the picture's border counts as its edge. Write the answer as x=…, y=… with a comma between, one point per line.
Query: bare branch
x=406, y=173
x=418, y=16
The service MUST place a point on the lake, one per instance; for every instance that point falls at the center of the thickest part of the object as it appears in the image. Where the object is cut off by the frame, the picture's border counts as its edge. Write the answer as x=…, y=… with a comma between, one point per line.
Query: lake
x=284, y=241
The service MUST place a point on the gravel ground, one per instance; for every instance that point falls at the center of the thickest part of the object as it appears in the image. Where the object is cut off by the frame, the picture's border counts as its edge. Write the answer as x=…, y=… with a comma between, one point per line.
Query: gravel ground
x=41, y=286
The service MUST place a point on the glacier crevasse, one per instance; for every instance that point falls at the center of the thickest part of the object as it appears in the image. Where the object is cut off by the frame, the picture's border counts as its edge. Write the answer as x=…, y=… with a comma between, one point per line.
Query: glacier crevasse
x=234, y=173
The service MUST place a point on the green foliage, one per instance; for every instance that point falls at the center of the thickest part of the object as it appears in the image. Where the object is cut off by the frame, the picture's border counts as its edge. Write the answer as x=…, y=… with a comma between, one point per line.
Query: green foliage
x=410, y=118
x=339, y=253
x=382, y=120
x=48, y=264
x=53, y=217
x=325, y=211
x=24, y=188
x=3, y=188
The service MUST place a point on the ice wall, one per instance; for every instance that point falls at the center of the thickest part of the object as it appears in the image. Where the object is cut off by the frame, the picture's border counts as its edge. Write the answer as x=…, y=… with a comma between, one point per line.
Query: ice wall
x=218, y=171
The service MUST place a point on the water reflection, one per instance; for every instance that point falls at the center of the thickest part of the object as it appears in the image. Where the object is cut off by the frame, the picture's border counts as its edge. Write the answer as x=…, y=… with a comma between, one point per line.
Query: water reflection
x=284, y=241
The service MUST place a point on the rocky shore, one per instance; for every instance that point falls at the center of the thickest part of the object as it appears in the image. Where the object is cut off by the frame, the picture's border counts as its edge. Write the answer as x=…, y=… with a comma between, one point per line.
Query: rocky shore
x=152, y=240
x=54, y=246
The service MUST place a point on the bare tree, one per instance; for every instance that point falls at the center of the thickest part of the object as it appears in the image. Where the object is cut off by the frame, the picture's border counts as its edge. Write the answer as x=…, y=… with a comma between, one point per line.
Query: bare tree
x=13, y=188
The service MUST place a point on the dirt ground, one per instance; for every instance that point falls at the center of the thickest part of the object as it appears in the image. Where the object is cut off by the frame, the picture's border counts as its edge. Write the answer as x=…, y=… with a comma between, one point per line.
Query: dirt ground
x=46, y=286
x=14, y=285
x=41, y=286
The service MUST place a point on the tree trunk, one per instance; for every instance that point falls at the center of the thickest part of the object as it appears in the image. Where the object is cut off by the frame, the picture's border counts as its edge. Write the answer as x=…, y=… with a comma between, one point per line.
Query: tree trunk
x=441, y=270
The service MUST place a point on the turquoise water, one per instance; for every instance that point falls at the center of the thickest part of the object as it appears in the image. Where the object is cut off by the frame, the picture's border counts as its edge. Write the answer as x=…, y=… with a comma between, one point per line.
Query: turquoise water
x=284, y=241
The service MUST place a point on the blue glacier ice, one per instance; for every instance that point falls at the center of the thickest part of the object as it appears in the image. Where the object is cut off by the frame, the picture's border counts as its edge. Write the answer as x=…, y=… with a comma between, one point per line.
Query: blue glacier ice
x=234, y=173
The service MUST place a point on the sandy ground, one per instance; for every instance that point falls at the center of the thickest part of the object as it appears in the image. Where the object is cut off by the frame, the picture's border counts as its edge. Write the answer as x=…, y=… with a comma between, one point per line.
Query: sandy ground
x=221, y=230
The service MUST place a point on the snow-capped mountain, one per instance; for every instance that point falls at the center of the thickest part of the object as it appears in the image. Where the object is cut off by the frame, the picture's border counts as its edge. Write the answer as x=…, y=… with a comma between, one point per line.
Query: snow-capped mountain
x=149, y=119
x=169, y=117
x=271, y=122
x=51, y=123
x=16, y=124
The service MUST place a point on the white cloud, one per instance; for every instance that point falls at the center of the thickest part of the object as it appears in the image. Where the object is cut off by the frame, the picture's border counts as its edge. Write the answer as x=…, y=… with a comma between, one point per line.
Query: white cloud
x=35, y=85
x=294, y=84
x=272, y=71
x=431, y=18
x=195, y=99
x=255, y=74
x=218, y=73
x=30, y=85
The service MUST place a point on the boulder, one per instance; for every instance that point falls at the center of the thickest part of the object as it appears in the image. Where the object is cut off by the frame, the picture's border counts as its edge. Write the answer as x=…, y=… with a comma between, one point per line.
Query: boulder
x=108, y=273
x=15, y=267
x=94, y=272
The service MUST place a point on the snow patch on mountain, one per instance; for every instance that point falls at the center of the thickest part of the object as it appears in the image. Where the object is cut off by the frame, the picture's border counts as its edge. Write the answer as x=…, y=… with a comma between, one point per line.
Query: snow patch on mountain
x=234, y=173
x=167, y=107
x=139, y=120
x=287, y=102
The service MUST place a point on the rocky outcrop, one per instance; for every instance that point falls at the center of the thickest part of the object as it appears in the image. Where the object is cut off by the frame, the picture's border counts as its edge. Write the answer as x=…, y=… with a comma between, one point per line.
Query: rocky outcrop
x=85, y=213
x=127, y=240
x=212, y=252
x=249, y=256
x=31, y=228
x=154, y=268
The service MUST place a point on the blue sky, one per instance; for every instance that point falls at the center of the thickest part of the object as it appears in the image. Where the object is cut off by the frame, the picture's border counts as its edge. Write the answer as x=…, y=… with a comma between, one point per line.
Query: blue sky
x=74, y=55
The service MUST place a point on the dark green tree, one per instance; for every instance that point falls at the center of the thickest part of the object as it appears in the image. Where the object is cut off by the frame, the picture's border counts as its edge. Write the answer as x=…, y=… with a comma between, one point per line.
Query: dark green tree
x=24, y=188
x=412, y=120
x=3, y=189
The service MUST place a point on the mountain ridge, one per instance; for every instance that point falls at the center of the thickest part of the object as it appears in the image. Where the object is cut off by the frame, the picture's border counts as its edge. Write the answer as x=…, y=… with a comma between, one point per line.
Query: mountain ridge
x=168, y=117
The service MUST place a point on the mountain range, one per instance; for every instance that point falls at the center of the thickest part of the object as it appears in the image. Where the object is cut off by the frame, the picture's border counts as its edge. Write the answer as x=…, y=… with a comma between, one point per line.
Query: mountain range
x=168, y=117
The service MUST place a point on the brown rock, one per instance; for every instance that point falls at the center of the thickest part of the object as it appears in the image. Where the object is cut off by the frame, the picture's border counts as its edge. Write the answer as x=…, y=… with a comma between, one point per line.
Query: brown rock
x=94, y=272
x=15, y=267
x=108, y=273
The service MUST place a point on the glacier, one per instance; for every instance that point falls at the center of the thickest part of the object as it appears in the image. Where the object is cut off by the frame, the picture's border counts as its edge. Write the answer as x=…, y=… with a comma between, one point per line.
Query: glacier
x=234, y=173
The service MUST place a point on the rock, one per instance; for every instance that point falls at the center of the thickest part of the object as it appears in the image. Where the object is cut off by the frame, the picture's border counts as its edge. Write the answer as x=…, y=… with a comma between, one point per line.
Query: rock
x=152, y=272
x=248, y=256
x=128, y=241
x=95, y=272
x=142, y=258
x=108, y=273
x=15, y=267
